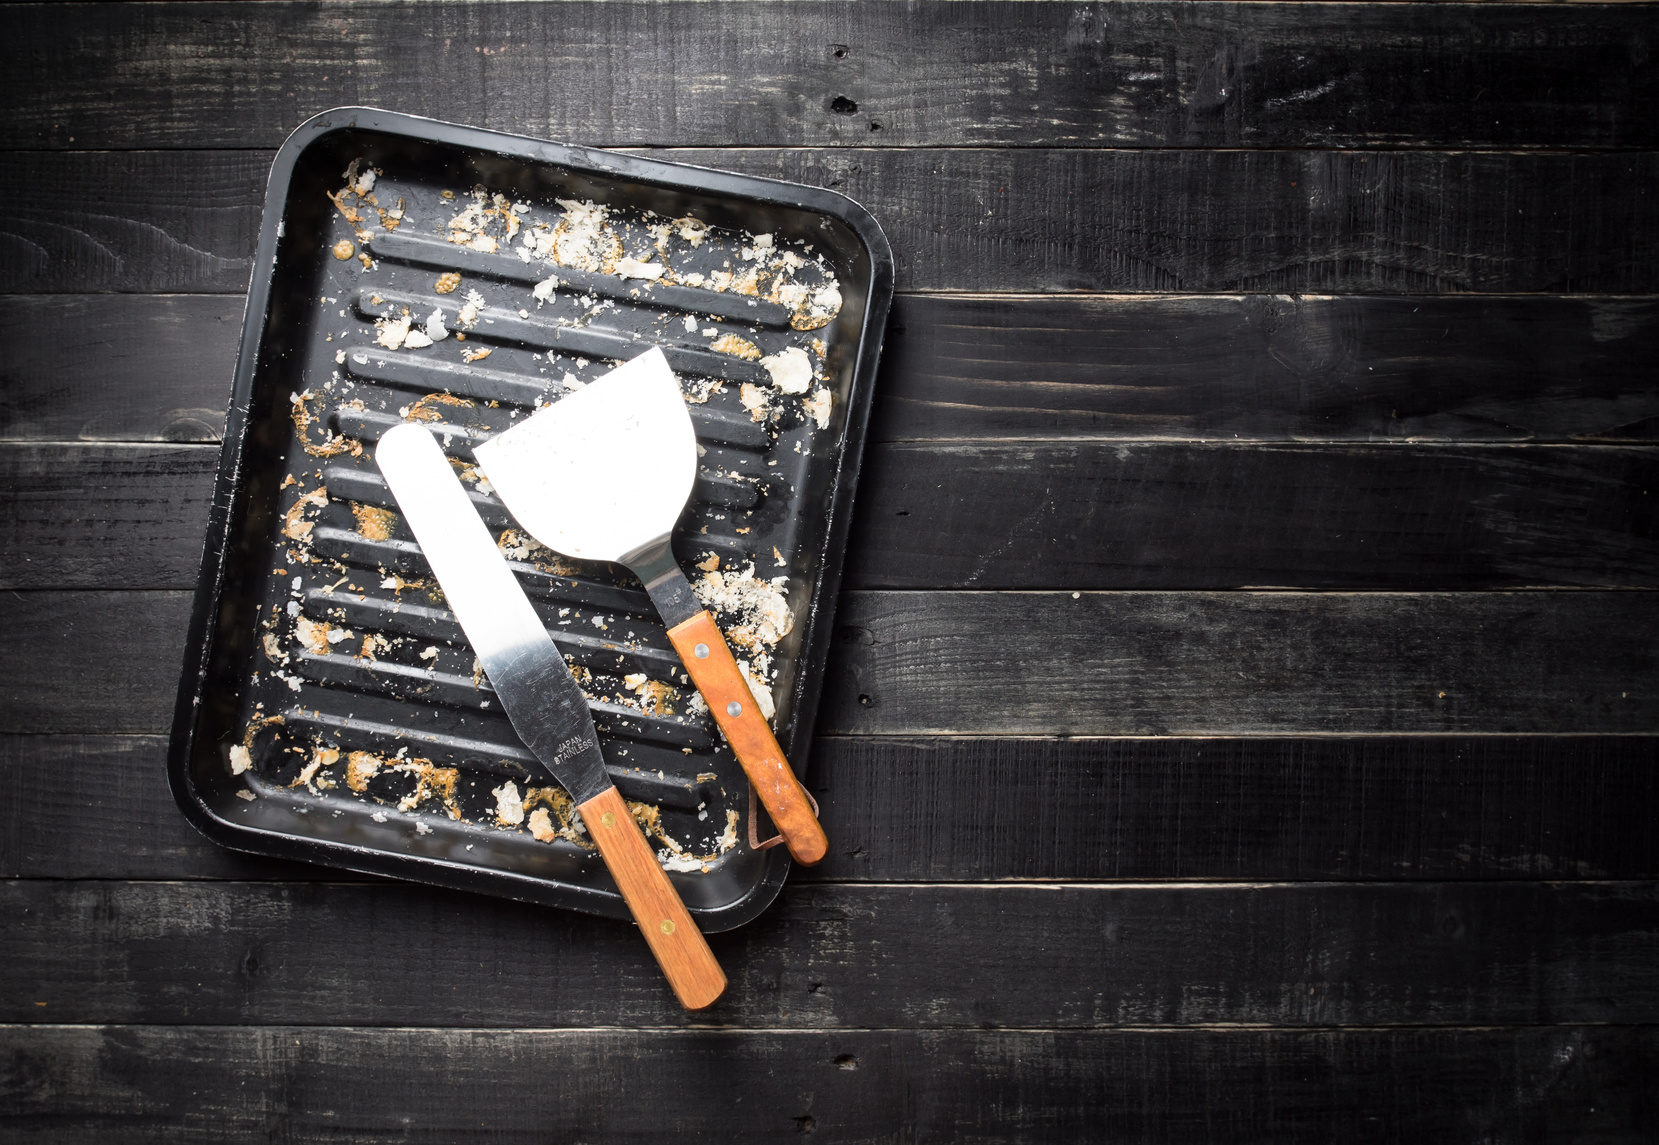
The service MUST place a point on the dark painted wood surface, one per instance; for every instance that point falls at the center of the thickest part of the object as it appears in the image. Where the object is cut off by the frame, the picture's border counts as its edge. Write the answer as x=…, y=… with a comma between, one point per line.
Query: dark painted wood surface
x=1048, y=663
x=1355, y=300
x=1023, y=516
x=436, y=1085
x=839, y=956
x=1198, y=75
x=913, y=809
x=986, y=219
x=1535, y=368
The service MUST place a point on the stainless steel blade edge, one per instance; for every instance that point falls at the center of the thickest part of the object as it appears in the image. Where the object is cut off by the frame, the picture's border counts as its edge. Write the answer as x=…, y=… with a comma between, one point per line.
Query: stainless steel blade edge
x=543, y=702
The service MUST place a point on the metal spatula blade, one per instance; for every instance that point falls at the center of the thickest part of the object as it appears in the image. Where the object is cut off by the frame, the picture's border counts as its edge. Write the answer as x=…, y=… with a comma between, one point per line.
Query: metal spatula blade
x=604, y=475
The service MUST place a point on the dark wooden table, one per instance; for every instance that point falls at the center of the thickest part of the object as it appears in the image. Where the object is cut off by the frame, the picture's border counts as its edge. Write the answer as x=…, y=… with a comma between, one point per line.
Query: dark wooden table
x=1242, y=726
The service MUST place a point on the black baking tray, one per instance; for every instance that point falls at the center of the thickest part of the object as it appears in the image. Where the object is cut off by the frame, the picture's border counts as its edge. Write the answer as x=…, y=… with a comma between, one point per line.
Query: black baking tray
x=377, y=674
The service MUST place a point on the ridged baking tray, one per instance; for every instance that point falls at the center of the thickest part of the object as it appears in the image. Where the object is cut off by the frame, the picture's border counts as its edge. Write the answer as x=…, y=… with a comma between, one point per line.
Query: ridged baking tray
x=330, y=709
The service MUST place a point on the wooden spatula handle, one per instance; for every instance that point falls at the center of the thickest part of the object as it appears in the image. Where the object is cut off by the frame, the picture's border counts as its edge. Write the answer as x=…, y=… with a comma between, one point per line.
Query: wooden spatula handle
x=715, y=672
x=685, y=958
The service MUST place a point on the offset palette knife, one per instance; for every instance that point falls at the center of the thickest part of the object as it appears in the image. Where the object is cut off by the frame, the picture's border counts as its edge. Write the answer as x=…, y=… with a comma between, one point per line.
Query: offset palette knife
x=544, y=703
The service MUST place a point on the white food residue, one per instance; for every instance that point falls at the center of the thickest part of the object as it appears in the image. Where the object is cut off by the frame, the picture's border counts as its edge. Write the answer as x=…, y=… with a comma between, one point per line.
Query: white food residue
x=762, y=614
x=541, y=826
x=581, y=240
x=762, y=692
x=468, y=317
x=435, y=328
x=818, y=405
x=754, y=400
x=240, y=760
x=791, y=370
x=509, y=805
x=634, y=268
x=391, y=332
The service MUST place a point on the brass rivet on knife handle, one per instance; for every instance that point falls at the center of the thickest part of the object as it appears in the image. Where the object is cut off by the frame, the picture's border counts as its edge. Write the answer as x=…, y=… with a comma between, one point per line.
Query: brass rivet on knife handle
x=685, y=958
x=717, y=676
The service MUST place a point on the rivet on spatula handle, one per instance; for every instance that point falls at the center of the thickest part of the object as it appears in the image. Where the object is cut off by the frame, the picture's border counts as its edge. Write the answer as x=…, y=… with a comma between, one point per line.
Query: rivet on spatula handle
x=685, y=958
x=716, y=674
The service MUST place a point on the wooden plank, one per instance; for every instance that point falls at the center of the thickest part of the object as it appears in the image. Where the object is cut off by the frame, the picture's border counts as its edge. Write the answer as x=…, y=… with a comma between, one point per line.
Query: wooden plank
x=848, y=957
x=1501, y=807
x=1042, y=663
x=93, y=806
x=1394, y=1087
x=148, y=221
x=1163, y=516
x=941, y=809
x=1028, y=515
x=94, y=516
x=929, y=74
x=1270, y=367
x=1025, y=219
x=92, y=661
x=1546, y=369
x=115, y=367
x=1191, y=663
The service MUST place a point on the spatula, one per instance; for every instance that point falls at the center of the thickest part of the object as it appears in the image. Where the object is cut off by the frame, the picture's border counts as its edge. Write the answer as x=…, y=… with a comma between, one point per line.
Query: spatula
x=544, y=704
x=604, y=474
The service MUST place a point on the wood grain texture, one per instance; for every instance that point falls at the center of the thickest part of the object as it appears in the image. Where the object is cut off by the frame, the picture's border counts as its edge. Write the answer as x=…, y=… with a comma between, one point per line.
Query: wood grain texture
x=98, y=807
x=1501, y=807
x=1027, y=219
x=1393, y=1087
x=92, y=661
x=844, y=957
x=150, y=221
x=1543, y=369
x=1275, y=367
x=1191, y=663
x=1030, y=663
x=725, y=689
x=1163, y=516
x=117, y=367
x=1028, y=515
x=128, y=515
x=681, y=952
x=947, y=809
x=932, y=74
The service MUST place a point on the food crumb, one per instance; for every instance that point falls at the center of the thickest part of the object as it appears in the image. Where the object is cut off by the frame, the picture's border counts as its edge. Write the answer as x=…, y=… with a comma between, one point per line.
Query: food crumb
x=468, y=317
x=818, y=406
x=736, y=347
x=634, y=268
x=361, y=766
x=244, y=793
x=240, y=760
x=509, y=805
x=344, y=250
x=447, y=282
x=541, y=826
x=754, y=400
x=791, y=370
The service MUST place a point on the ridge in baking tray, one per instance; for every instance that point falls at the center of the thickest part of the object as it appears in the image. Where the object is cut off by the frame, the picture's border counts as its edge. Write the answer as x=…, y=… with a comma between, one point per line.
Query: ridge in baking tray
x=330, y=709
